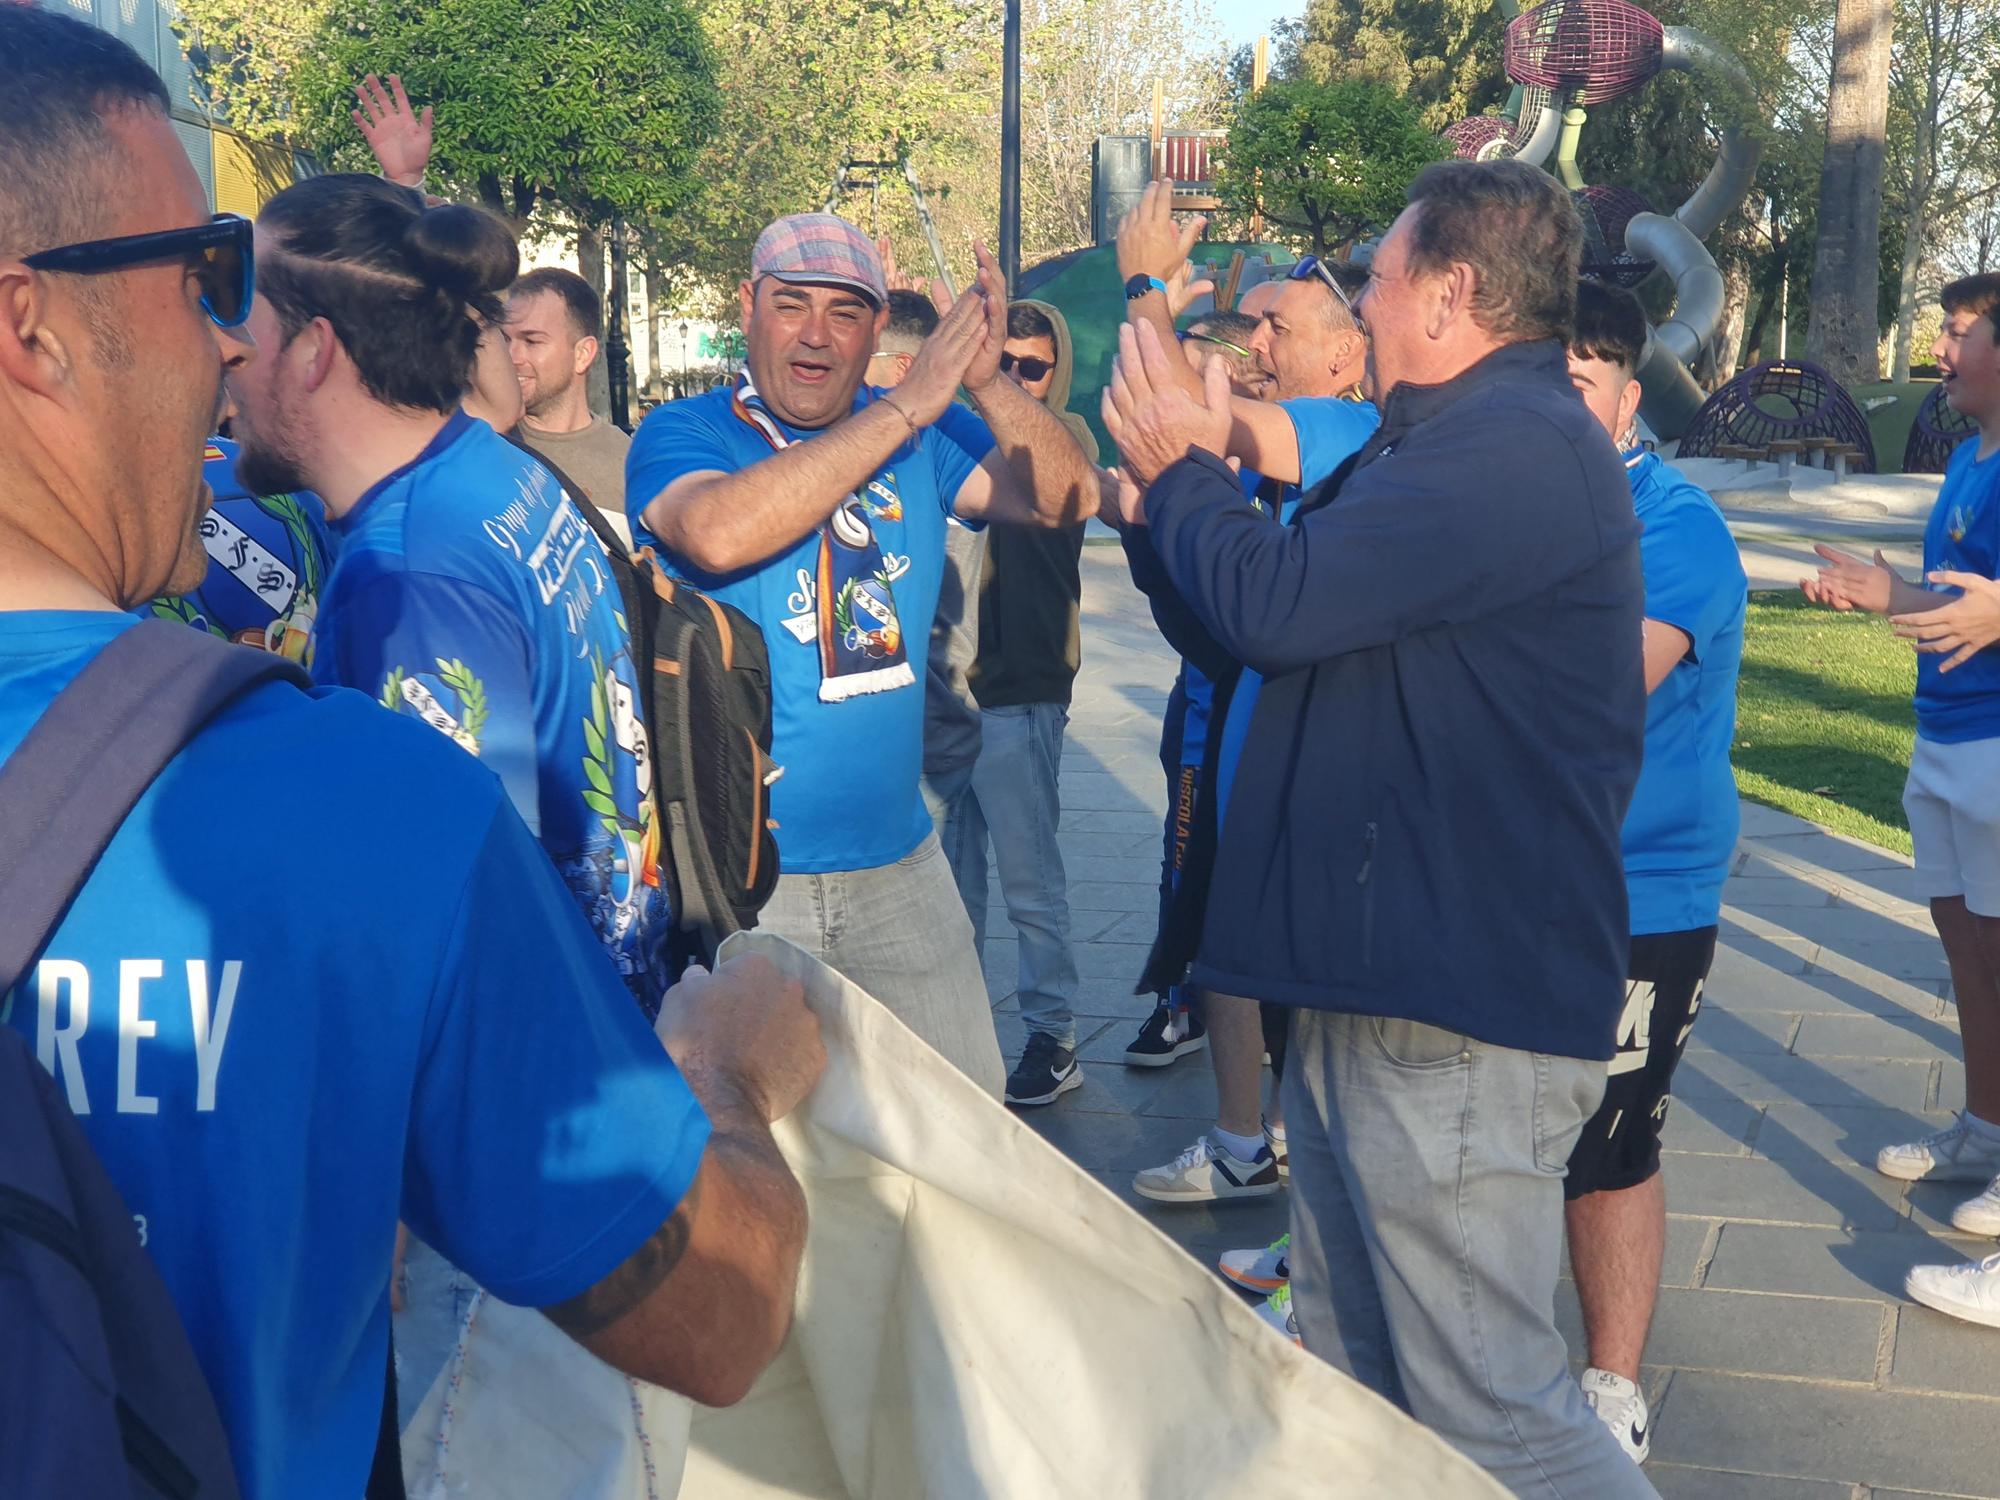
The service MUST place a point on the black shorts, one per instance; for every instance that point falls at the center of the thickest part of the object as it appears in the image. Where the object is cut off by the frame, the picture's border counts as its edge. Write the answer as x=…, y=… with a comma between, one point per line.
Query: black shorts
x=1620, y=1147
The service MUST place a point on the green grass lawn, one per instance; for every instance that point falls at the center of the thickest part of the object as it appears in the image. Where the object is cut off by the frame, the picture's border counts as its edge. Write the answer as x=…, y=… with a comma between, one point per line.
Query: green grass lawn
x=1823, y=718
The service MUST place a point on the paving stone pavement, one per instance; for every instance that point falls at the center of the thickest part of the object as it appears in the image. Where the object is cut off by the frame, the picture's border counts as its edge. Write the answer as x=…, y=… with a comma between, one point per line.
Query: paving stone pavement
x=1785, y=1364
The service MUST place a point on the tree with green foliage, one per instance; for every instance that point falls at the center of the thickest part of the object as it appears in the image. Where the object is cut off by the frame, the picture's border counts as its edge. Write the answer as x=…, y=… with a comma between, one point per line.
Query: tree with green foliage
x=244, y=54
x=1442, y=56
x=583, y=106
x=1325, y=162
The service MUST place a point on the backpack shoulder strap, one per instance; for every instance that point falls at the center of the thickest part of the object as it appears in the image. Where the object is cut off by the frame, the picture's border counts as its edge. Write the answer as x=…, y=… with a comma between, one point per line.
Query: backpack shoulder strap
x=92, y=754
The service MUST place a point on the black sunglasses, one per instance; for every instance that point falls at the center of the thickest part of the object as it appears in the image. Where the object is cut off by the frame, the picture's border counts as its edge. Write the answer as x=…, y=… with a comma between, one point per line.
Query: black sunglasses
x=1209, y=338
x=1030, y=368
x=220, y=254
x=1312, y=265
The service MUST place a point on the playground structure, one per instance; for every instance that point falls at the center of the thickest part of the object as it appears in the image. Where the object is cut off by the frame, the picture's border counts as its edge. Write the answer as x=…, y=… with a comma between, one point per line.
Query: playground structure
x=1565, y=55
x=1779, y=412
x=1936, y=431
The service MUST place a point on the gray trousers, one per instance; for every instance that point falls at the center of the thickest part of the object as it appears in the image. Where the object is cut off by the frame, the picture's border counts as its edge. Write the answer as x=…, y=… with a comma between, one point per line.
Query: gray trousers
x=901, y=933
x=1427, y=1225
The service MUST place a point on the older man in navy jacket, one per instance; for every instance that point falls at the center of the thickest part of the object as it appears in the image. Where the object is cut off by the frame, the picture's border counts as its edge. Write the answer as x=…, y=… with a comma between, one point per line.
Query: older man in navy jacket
x=1422, y=852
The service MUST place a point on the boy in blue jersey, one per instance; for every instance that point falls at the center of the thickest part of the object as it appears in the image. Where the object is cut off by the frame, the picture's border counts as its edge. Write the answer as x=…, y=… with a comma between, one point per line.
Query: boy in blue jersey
x=268, y=557
x=818, y=506
x=274, y=1066
x=1953, y=796
x=1679, y=835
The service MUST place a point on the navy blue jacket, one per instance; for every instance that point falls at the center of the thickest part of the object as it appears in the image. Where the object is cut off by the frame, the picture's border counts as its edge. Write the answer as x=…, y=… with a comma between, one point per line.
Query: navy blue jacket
x=1424, y=823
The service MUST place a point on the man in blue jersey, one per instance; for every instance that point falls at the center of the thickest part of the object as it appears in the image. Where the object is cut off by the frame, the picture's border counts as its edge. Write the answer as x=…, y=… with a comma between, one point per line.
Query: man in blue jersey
x=401, y=1014
x=1309, y=341
x=1953, y=796
x=1679, y=836
x=268, y=557
x=470, y=593
x=818, y=506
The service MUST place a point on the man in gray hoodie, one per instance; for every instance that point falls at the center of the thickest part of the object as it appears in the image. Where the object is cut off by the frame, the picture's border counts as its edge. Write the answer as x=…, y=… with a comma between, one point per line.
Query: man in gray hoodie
x=1029, y=594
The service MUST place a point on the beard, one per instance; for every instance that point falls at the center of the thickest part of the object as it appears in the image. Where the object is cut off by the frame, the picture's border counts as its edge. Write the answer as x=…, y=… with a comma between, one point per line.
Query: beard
x=267, y=465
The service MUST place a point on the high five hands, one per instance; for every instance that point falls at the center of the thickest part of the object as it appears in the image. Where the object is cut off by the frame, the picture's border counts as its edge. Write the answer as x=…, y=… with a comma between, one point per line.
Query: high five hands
x=963, y=350
x=1153, y=420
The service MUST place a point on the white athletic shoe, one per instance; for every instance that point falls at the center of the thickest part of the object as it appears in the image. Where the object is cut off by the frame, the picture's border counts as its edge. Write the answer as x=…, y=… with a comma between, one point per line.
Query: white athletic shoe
x=1958, y=1153
x=1208, y=1171
x=1260, y=1270
x=1980, y=1215
x=1970, y=1291
x=1621, y=1406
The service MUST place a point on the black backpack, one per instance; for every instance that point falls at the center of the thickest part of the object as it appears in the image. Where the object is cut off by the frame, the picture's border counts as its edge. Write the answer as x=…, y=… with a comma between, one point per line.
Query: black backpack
x=100, y=1393
x=705, y=687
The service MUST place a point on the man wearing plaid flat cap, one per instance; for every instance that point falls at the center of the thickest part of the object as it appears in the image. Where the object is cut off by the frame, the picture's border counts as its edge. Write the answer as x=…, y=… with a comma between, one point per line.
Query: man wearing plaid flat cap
x=817, y=505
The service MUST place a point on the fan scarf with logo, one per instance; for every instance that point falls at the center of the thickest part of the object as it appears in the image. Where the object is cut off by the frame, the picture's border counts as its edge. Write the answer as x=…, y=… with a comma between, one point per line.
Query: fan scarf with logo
x=861, y=647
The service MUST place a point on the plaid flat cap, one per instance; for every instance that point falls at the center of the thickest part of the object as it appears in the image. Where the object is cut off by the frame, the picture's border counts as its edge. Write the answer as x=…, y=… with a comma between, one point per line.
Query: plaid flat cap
x=821, y=250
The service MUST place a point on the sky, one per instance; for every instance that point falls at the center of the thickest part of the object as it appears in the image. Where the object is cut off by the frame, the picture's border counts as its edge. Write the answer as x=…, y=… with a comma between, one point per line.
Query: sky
x=1246, y=20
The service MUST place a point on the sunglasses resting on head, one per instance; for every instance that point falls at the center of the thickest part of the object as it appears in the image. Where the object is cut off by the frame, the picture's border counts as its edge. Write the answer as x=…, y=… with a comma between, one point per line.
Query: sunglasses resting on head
x=218, y=254
x=1209, y=338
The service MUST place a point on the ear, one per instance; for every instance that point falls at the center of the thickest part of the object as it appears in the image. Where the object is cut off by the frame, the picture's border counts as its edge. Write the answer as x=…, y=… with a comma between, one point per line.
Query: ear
x=903, y=363
x=32, y=354
x=586, y=352
x=318, y=350
x=1452, y=297
x=1628, y=404
x=746, y=297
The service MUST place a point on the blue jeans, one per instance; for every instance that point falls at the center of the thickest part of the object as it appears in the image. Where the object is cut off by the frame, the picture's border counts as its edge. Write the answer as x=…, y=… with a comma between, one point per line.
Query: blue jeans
x=900, y=933
x=1016, y=804
x=1427, y=1226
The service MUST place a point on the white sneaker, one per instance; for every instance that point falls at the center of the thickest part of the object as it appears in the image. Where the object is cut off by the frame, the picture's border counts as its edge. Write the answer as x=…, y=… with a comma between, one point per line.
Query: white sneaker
x=1276, y=1311
x=1980, y=1215
x=1208, y=1171
x=1277, y=1143
x=1958, y=1153
x=1260, y=1270
x=1970, y=1291
x=1621, y=1406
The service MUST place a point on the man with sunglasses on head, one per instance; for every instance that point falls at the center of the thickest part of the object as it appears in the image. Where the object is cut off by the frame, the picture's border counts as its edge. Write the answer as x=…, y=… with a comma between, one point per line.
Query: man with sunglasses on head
x=1311, y=345
x=275, y=1070
x=818, y=506
x=1228, y=335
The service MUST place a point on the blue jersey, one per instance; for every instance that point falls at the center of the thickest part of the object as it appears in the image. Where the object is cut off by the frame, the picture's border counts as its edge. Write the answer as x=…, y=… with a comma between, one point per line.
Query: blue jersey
x=268, y=557
x=848, y=799
x=471, y=594
x=1680, y=828
x=1963, y=536
x=278, y=1046
x=1330, y=432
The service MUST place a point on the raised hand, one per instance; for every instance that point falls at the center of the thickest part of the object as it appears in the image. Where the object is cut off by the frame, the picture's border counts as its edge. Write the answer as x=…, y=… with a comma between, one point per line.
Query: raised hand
x=992, y=284
x=1152, y=419
x=399, y=137
x=940, y=366
x=1183, y=291
x=1150, y=243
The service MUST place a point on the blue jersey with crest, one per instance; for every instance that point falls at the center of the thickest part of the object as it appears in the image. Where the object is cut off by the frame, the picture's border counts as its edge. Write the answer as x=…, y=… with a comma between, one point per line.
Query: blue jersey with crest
x=268, y=557
x=471, y=594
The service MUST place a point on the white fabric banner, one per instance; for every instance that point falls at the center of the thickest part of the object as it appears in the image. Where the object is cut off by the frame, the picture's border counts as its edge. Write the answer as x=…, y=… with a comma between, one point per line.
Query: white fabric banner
x=976, y=1317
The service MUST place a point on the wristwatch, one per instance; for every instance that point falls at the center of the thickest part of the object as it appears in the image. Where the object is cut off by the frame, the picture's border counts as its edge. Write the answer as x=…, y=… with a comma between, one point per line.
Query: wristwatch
x=1139, y=285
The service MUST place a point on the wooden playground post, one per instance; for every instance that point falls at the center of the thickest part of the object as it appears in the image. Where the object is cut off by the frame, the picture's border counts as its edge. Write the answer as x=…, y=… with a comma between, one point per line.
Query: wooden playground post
x=1225, y=295
x=1260, y=74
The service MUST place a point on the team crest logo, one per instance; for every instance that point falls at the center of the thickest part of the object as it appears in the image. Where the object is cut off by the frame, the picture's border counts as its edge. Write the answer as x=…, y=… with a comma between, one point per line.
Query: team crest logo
x=450, y=700
x=865, y=615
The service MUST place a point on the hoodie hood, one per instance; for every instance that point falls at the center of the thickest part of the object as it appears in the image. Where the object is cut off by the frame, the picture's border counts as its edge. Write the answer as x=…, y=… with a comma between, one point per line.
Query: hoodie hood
x=1057, y=400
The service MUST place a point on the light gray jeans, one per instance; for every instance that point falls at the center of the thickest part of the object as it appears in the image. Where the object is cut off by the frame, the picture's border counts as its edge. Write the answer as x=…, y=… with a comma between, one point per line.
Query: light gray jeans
x=1427, y=1224
x=901, y=933
x=1016, y=804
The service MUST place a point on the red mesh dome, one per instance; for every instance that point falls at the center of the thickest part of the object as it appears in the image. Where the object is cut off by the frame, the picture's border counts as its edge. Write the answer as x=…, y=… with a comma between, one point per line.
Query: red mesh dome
x=1935, y=432
x=1784, y=399
x=1595, y=50
x=1470, y=138
x=1606, y=210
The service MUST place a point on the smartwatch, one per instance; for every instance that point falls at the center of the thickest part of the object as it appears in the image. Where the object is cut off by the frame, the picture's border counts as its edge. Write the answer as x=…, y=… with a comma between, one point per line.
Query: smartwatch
x=1141, y=284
